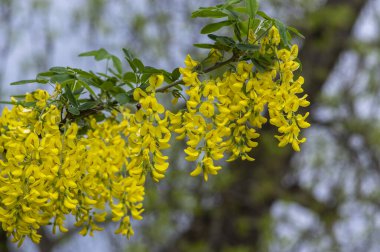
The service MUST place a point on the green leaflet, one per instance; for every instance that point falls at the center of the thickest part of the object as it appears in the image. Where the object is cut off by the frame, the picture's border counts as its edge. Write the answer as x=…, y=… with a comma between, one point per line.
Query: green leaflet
x=216, y=26
x=252, y=7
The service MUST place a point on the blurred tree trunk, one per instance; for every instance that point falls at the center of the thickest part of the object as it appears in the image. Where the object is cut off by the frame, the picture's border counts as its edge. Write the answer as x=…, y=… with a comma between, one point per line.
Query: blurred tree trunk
x=3, y=242
x=242, y=215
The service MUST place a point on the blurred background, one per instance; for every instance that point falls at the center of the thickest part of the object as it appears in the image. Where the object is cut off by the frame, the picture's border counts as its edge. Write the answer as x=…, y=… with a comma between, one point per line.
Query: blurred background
x=326, y=198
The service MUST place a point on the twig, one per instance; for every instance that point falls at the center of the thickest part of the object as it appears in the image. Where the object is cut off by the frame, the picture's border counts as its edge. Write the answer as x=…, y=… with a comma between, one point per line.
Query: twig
x=163, y=89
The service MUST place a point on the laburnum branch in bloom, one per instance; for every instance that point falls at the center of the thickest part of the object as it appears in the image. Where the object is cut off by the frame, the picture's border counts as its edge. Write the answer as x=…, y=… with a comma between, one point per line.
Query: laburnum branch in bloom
x=88, y=148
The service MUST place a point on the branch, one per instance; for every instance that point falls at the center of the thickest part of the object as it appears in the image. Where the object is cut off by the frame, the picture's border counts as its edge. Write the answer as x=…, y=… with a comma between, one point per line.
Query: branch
x=164, y=89
x=223, y=63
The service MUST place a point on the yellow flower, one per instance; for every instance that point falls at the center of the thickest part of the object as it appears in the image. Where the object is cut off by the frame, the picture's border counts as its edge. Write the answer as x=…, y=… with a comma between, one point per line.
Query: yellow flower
x=190, y=63
x=214, y=55
x=154, y=82
x=207, y=109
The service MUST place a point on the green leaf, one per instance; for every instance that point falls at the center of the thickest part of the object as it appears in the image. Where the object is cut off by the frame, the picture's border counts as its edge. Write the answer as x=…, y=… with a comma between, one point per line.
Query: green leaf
x=117, y=64
x=19, y=96
x=220, y=46
x=227, y=41
x=130, y=57
x=23, y=82
x=92, y=81
x=295, y=31
x=60, y=78
x=232, y=13
x=129, y=77
x=117, y=90
x=86, y=86
x=74, y=110
x=175, y=74
x=45, y=74
x=70, y=96
x=105, y=75
x=132, y=65
x=138, y=64
x=99, y=117
x=255, y=23
x=282, y=30
x=247, y=47
x=42, y=81
x=240, y=9
x=79, y=90
x=7, y=102
x=232, y=2
x=128, y=54
x=208, y=13
x=29, y=104
x=88, y=105
x=216, y=26
x=88, y=54
x=264, y=15
x=167, y=77
x=258, y=65
x=107, y=85
x=204, y=46
x=99, y=55
x=262, y=62
x=114, y=73
x=67, y=82
x=252, y=7
x=58, y=69
x=84, y=74
x=237, y=32
x=124, y=98
x=152, y=70
x=144, y=78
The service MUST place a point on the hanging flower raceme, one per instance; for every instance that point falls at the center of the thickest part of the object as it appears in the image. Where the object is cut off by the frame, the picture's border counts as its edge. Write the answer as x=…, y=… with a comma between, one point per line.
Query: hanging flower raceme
x=48, y=171
x=223, y=115
x=150, y=135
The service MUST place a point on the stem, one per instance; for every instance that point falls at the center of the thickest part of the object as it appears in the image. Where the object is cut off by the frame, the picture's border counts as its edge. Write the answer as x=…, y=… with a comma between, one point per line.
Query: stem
x=163, y=89
x=220, y=64
x=249, y=27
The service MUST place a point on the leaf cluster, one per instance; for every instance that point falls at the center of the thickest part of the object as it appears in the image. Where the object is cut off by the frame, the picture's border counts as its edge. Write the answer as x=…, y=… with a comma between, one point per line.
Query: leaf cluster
x=86, y=92
x=242, y=16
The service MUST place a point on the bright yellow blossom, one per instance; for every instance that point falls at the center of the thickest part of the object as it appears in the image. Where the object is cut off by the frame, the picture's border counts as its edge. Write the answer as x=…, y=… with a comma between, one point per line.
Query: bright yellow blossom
x=65, y=173
x=96, y=169
x=223, y=114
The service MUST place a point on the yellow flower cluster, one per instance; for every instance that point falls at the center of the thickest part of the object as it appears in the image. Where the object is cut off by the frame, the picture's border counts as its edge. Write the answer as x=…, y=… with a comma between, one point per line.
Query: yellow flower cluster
x=223, y=114
x=48, y=171
x=52, y=167
x=149, y=133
